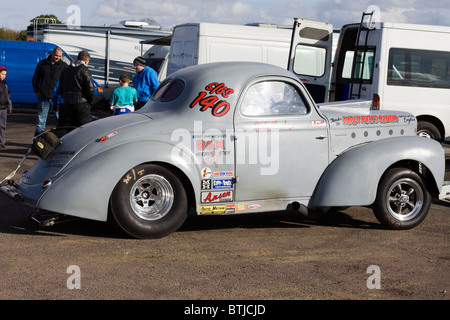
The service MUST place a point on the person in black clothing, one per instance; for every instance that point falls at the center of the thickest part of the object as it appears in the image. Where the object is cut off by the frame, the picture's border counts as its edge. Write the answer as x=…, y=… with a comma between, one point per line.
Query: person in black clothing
x=5, y=104
x=77, y=90
x=45, y=79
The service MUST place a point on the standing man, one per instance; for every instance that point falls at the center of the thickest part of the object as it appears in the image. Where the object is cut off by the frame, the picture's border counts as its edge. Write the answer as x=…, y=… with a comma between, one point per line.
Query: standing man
x=77, y=90
x=5, y=104
x=145, y=81
x=45, y=79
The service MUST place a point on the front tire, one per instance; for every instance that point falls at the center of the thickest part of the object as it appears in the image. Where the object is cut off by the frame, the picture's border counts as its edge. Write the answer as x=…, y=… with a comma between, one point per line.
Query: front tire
x=149, y=202
x=402, y=200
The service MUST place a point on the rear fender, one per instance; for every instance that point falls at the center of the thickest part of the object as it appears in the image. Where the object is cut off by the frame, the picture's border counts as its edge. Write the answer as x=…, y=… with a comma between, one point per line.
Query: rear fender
x=85, y=189
x=352, y=179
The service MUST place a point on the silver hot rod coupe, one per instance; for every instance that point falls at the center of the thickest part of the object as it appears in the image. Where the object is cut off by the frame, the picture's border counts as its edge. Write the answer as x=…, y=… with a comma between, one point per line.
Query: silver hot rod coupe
x=232, y=138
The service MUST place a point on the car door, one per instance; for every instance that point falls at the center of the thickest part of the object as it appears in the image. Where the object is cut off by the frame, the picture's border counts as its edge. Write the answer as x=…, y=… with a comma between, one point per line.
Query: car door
x=281, y=141
x=310, y=56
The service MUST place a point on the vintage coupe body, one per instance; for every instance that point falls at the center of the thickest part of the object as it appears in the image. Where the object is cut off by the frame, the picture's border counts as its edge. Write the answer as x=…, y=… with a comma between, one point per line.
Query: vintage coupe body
x=229, y=138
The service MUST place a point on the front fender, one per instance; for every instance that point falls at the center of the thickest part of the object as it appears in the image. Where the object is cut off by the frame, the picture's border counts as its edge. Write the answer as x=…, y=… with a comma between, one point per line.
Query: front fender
x=352, y=179
x=84, y=190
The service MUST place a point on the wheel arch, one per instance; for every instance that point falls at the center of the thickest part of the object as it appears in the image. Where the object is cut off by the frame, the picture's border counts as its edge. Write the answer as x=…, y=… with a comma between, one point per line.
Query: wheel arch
x=353, y=178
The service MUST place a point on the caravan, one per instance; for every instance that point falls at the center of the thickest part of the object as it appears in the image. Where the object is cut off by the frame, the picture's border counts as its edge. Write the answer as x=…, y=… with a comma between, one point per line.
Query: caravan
x=112, y=48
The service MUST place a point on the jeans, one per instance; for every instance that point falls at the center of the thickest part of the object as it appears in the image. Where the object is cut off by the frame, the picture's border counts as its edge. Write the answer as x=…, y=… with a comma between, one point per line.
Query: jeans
x=2, y=126
x=43, y=108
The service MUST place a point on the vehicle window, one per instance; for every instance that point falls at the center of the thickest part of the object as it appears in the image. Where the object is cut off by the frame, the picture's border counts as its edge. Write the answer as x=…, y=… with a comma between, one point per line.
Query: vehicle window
x=173, y=92
x=160, y=90
x=364, y=64
x=419, y=68
x=310, y=61
x=272, y=98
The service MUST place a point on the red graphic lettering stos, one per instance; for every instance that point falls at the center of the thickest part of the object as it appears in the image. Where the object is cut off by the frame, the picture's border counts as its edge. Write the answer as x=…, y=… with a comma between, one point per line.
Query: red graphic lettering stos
x=209, y=99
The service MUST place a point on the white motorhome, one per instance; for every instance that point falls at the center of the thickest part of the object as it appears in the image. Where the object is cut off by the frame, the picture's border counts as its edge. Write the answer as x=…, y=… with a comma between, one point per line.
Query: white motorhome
x=112, y=48
x=198, y=43
x=401, y=67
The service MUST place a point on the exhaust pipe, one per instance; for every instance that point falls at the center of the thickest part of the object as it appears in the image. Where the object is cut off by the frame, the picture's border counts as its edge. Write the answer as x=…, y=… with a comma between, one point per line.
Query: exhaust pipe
x=305, y=212
x=11, y=193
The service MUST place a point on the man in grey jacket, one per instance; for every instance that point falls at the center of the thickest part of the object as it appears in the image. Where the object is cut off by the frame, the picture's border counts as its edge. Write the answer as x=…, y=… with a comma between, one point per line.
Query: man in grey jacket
x=77, y=90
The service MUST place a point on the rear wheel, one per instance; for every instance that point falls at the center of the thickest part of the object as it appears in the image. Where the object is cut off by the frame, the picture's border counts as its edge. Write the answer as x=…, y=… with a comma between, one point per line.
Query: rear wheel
x=402, y=200
x=149, y=202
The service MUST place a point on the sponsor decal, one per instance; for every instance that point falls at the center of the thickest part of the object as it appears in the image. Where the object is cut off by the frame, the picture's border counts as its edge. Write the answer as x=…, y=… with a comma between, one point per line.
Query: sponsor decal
x=210, y=144
x=210, y=99
x=209, y=197
x=231, y=208
x=356, y=120
x=321, y=123
x=212, y=209
x=206, y=173
x=254, y=206
x=241, y=207
x=221, y=174
x=206, y=184
x=223, y=184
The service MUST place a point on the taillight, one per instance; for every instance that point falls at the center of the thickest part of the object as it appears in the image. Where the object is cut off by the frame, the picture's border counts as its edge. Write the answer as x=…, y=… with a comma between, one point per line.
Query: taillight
x=376, y=102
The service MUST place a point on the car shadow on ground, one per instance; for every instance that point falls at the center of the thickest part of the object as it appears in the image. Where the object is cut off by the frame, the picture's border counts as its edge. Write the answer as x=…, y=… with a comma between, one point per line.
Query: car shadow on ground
x=282, y=219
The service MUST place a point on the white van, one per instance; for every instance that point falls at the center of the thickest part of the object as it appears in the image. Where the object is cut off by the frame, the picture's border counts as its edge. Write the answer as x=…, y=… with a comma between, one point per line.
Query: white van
x=401, y=67
x=198, y=43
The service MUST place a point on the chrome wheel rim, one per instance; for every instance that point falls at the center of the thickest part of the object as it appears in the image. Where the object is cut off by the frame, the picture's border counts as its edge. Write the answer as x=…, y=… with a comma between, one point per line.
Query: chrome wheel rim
x=405, y=199
x=151, y=197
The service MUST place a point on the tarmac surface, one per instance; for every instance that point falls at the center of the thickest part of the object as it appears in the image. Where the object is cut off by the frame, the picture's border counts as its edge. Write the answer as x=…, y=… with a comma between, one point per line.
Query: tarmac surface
x=274, y=256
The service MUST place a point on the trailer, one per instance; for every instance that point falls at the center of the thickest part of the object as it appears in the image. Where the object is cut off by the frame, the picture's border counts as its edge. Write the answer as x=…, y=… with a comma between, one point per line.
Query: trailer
x=112, y=48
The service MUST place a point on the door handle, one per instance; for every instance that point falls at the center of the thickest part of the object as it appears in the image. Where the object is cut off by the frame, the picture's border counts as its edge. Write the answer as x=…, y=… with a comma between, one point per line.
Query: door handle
x=322, y=137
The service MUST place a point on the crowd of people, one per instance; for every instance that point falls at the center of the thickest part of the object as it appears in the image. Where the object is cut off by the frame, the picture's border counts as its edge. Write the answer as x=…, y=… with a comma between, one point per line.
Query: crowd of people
x=68, y=90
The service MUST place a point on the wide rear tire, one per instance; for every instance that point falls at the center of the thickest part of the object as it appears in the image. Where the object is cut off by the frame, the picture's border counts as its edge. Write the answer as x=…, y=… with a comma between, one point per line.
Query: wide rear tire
x=149, y=201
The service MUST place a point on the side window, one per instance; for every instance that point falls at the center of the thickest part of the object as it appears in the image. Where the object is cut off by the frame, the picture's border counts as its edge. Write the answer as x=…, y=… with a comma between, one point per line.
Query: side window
x=310, y=61
x=273, y=98
x=419, y=68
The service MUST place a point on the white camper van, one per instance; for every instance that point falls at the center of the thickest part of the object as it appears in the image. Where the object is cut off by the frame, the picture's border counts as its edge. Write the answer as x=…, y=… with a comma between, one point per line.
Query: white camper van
x=401, y=67
x=198, y=43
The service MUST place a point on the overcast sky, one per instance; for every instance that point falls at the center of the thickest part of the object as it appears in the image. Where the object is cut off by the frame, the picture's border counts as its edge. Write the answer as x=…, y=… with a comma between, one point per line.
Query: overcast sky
x=16, y=14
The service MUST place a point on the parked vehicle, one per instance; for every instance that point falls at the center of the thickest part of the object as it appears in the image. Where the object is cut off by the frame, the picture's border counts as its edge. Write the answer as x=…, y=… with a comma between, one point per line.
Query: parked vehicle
x=398, y=66
x=112, y=48
x=236, y=137
x=21, y=59
x=199, y=43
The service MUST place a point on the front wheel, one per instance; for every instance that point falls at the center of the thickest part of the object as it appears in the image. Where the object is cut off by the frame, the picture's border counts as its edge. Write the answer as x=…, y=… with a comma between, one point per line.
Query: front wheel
x=402, y=200
x=149, y=202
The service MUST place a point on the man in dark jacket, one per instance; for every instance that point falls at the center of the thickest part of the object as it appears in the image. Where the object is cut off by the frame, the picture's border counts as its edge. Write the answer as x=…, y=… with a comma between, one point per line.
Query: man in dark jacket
x=5, y=104
x=46, y=77
x=77, y=90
